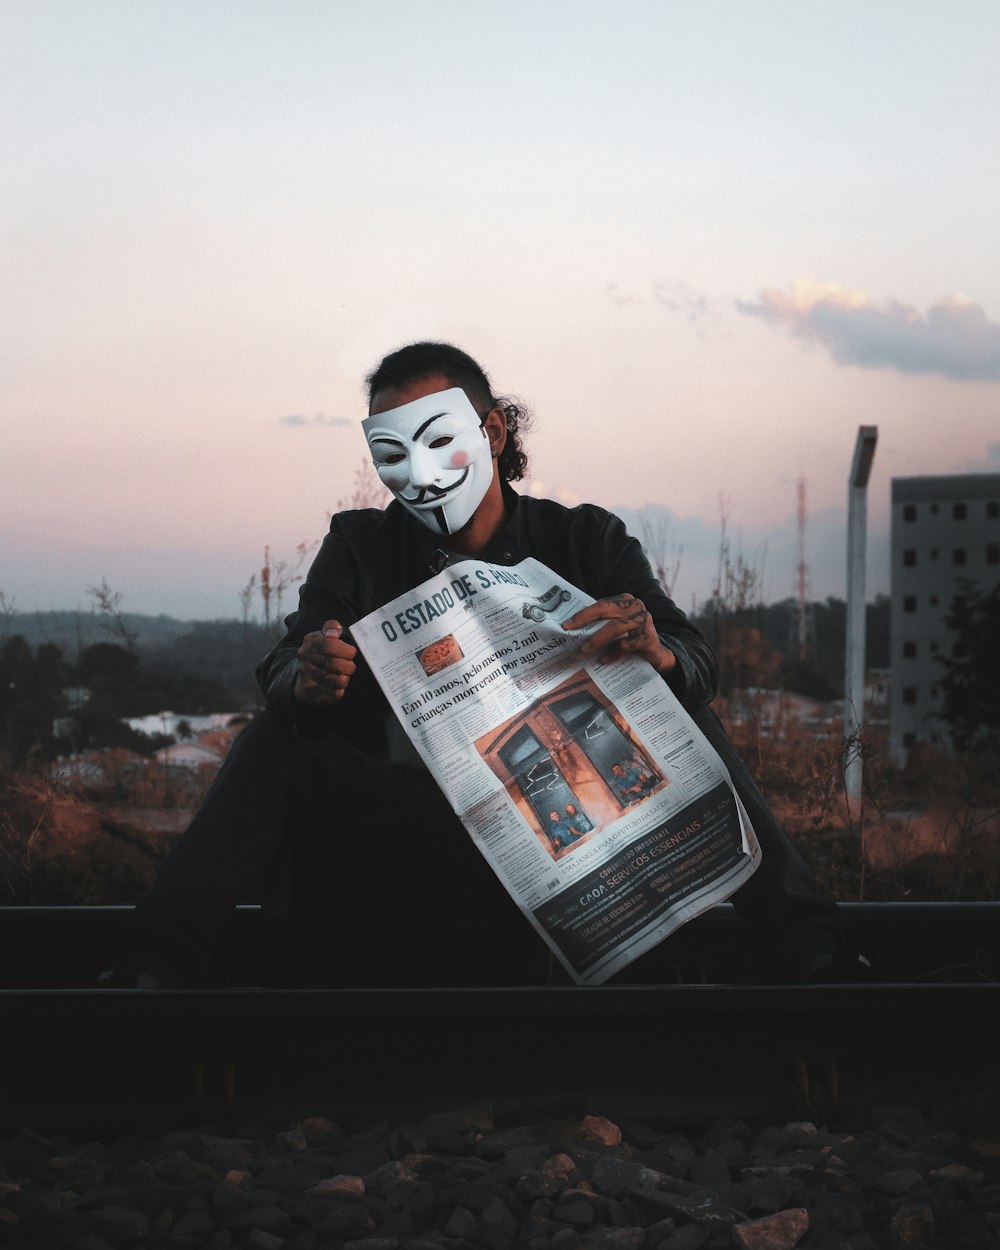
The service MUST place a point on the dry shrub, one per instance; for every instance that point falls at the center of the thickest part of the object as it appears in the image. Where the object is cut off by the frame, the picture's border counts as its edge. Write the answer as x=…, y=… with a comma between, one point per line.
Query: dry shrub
x=929, y=832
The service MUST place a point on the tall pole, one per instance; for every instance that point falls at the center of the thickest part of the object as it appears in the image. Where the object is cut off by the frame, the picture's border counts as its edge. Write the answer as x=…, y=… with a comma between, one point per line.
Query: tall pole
x=854, y=650
x=802, y=568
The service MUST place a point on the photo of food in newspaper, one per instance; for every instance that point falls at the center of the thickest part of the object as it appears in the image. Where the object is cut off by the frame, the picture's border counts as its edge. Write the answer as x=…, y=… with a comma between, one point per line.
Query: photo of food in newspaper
x=440, y=654
x=595, y=798
x=570, y=764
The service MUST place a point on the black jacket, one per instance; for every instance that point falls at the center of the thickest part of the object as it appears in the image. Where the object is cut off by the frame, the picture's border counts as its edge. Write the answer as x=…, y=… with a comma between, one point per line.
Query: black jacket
x=369, y=557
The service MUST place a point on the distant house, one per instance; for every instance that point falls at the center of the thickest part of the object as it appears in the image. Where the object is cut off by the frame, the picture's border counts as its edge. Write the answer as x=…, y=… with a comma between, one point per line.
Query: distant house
x=945, y=535
x=192, y=755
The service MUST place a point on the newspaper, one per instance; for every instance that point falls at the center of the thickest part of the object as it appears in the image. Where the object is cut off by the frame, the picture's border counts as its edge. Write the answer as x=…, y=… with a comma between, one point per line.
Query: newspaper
x=595, y=798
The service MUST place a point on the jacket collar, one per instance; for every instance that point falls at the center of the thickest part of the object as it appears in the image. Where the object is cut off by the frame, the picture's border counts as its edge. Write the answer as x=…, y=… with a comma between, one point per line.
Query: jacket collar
x=506, y=547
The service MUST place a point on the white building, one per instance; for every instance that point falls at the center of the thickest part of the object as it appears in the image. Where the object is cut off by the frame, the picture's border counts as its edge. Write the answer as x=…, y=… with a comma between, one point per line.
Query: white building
x=945, y=535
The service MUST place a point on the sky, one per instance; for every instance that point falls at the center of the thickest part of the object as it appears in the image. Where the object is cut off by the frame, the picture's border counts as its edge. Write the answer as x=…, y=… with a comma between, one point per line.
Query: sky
x=704, y=241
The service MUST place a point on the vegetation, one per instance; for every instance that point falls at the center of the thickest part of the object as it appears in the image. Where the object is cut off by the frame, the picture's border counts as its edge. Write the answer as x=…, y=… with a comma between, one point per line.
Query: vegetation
x=970, y=686
x=929, y=831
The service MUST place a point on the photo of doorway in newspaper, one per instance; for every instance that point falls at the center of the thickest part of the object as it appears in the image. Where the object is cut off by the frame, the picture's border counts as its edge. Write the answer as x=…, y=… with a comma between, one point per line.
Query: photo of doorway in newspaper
x=570, y=764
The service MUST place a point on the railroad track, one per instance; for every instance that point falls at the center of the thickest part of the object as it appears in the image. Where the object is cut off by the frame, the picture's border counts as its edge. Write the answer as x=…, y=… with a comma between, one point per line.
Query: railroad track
x=700, y=1034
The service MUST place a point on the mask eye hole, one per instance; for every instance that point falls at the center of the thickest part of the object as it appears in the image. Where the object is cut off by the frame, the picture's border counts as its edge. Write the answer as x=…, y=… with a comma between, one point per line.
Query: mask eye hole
x=443, y=441
x=394, y=457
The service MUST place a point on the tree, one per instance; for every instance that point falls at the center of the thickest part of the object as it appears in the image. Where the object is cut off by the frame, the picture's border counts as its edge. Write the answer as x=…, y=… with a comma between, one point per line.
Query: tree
x=970, y=687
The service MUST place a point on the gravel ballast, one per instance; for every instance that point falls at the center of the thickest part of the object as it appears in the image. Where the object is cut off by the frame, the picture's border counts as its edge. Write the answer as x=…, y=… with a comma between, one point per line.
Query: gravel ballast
x=543, y=1176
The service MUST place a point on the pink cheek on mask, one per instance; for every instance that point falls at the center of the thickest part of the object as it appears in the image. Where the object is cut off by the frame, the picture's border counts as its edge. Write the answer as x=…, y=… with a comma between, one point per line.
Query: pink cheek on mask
x=459, y=460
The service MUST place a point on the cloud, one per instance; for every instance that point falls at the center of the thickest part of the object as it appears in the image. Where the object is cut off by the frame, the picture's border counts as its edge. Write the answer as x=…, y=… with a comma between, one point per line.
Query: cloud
x=677, y=297
x=990, y=463
x=955, y=338
x=618, y=297
x=296, y=419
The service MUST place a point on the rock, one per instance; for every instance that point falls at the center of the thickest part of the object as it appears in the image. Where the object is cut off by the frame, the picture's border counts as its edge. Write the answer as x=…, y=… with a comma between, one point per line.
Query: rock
x=565, y=1239
x=294, y=1140
x=120, y=1226
x=912, y=1225
x=614, y=1239
x=228, y=1157
x=896, y=1184
x=703, y=1209
x=709, y=1169
x=617, y=1176
x=780, y=1231
x=690, y=1237
x=774, y=1192
x=349, y=1219
x=462, y=1223
x=194, y=1224
x=596, y=1128
x=967, y=1179
x=259, y=1240
x=269, y=1219
x=319, y=1131
x=575, y=1208
x=339, y=1187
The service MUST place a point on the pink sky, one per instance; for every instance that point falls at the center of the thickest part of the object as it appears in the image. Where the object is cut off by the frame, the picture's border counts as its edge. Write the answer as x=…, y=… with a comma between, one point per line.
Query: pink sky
x=705, y=244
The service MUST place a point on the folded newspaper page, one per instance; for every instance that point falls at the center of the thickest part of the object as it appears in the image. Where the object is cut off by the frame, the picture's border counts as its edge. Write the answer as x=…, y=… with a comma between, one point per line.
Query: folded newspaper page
x=595, y=798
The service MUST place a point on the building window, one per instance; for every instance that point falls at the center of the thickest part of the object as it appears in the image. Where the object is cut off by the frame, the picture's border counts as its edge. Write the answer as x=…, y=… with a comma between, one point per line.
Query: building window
x=908, y=740
x=934, y=553
x=958, y=511
x=909, y=650
x=909, y=603
x=993, y=554
x=958, y=555
x=909, y=694
x=909, y=512
x=933, y=648
x=934, y=509
x=909, y=559
x=934, y=601
x=992, y=510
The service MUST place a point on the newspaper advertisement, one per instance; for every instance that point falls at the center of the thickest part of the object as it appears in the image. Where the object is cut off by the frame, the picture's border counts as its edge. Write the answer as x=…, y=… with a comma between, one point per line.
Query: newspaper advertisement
x=592, y=794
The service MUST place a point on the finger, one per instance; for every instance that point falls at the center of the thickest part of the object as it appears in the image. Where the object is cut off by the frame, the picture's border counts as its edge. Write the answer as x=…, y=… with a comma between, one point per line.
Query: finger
x=612, y=633
x=602, y=610
x=322, y=663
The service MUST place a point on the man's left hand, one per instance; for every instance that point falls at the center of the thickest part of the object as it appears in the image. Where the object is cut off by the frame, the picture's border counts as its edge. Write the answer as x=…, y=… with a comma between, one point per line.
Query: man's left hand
x=627, y=630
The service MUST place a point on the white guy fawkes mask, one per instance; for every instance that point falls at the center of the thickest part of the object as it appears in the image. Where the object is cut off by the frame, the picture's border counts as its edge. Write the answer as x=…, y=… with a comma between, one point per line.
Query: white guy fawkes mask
x=434, y=455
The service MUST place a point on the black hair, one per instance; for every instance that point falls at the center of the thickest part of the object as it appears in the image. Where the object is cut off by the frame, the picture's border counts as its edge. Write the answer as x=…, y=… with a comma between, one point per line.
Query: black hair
x=420, y=360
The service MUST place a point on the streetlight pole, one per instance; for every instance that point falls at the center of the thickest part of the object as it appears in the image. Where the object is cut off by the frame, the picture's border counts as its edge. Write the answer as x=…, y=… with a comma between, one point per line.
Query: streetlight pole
x=854, y=650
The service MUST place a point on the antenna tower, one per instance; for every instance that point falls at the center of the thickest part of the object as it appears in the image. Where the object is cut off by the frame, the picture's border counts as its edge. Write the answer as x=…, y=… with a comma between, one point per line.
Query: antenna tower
x=804, y=623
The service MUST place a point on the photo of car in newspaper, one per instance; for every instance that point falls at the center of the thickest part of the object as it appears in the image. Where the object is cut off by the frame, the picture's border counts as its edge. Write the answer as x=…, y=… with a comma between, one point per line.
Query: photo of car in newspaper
x=570, y=763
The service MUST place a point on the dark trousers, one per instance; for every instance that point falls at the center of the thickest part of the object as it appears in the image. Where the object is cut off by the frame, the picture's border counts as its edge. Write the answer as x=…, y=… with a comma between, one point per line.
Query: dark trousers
x=381, y=871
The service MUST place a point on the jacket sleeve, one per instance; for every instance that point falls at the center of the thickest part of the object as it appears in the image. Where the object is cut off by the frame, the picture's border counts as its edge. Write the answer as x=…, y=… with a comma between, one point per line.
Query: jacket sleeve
x=695, y=679
x=329, y=592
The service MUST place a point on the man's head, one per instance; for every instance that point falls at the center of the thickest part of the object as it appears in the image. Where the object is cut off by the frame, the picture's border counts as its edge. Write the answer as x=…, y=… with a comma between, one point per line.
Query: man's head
x=554, y=817
x=433, y=450
x=418, y=361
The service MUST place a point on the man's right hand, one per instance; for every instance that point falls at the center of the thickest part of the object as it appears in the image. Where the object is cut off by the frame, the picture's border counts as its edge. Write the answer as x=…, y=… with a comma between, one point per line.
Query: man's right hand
x=326, y=665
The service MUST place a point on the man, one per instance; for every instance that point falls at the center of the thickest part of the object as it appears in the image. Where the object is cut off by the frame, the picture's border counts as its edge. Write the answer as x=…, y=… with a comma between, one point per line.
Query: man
x=576, y=820
x=326, y=769
x=561, y=831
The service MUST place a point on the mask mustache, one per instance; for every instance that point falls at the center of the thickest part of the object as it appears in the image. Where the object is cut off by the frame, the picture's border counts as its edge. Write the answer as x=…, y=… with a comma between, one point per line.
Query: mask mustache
x=433, y=493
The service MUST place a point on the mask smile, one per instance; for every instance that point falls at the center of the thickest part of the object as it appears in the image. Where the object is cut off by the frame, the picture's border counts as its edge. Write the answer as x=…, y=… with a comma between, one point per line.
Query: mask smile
x=431, y=496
